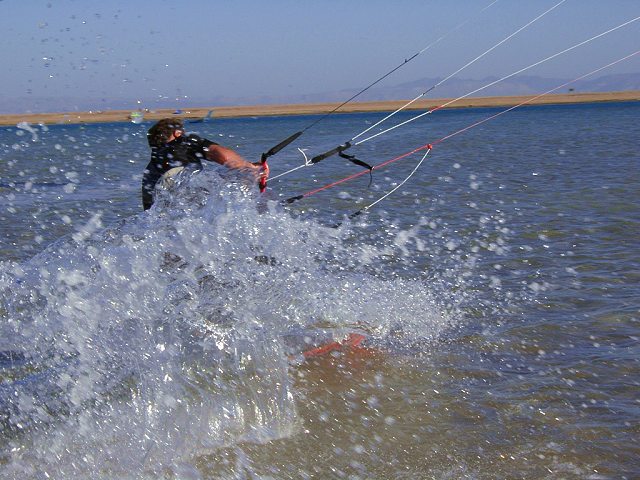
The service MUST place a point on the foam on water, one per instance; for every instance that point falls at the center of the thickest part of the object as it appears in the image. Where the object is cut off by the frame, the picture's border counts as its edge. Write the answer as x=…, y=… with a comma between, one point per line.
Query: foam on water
x=130, y=349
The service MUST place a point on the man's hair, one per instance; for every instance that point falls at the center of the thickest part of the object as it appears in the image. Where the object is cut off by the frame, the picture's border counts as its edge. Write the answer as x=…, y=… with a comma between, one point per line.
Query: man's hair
x=159, y=134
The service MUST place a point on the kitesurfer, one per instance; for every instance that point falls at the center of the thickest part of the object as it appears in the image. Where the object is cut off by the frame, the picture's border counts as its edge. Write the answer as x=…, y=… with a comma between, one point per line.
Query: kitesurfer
x=172, y=150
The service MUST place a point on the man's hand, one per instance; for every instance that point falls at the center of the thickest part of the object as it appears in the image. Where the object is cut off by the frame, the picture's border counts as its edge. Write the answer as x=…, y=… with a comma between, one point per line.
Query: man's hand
x=263, y=169
x=263, y=174
x=231, y=159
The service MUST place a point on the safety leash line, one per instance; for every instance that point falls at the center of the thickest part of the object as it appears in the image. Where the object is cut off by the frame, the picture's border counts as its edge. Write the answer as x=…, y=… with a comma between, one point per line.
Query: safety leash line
x=415, y=169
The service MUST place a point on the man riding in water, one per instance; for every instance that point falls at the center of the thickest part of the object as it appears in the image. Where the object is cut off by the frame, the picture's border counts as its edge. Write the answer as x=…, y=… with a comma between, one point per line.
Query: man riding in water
x=172, y=150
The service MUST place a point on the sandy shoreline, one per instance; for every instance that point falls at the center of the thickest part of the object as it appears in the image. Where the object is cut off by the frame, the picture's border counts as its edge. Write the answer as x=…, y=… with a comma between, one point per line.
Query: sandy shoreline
x=315, y=108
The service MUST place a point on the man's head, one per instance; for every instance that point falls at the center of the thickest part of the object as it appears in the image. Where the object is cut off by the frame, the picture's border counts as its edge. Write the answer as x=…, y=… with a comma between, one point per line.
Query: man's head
x=164, y=131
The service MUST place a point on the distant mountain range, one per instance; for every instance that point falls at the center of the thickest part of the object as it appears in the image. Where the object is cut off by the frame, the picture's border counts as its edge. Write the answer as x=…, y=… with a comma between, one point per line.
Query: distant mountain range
x=454, y=87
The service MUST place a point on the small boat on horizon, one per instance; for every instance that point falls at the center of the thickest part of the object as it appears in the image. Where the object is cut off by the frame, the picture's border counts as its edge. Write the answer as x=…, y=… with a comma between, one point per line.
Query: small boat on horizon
x=136, y=117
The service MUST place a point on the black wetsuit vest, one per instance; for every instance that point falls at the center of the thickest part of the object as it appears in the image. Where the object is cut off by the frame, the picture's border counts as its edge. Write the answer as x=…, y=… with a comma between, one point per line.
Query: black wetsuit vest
x=183, y=151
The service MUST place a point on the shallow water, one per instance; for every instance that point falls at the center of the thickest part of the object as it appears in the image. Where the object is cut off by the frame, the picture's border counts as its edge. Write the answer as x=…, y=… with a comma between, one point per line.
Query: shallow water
x=498, y=289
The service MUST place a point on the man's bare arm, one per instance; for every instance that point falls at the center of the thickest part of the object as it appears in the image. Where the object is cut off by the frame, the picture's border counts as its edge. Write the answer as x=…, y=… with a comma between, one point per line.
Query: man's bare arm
x=229, y=158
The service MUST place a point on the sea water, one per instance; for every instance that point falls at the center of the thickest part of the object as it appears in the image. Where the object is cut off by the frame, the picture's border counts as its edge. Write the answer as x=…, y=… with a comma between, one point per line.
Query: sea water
x=498, y=290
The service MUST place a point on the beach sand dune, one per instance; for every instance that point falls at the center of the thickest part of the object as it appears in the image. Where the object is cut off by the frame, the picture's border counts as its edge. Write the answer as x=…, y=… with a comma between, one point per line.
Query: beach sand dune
x=98, y=116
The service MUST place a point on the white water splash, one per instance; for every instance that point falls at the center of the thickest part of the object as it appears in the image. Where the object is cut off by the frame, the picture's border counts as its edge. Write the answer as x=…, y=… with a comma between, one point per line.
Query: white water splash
x=26, y=126
x=142, y=345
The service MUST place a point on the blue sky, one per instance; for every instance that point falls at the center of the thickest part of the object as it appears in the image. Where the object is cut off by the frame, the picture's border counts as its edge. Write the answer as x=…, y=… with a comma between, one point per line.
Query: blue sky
x=114, y=54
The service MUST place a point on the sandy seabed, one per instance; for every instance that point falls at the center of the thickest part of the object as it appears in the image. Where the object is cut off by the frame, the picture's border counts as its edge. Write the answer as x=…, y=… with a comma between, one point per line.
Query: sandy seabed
x=100, y=116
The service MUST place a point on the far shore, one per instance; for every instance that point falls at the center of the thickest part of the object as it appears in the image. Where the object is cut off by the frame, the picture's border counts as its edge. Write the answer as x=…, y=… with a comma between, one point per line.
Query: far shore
x=104, y=116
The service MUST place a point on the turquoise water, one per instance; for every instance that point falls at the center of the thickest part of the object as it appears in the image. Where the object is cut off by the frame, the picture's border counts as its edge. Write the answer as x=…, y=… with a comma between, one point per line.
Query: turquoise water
x=498, y=289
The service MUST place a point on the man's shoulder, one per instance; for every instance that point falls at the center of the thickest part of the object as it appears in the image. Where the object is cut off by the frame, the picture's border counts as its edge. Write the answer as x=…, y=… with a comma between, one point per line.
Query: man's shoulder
x=198, y=141
x=194, y=138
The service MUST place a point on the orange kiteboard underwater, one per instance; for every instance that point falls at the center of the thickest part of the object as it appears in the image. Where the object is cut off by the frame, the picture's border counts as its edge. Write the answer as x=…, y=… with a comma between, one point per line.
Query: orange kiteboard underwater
x=351, y=343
